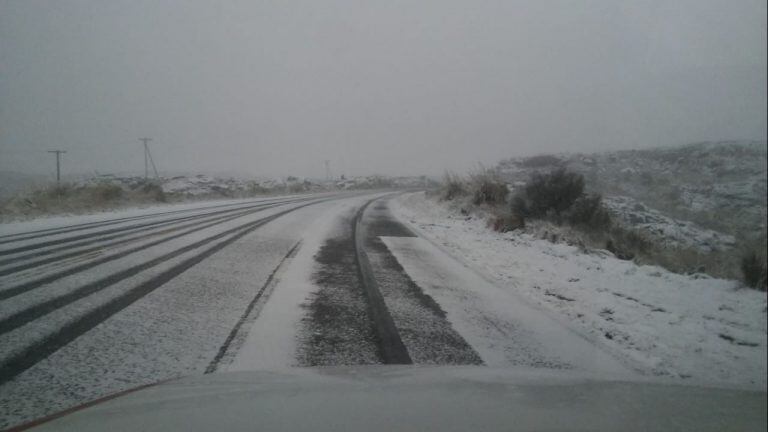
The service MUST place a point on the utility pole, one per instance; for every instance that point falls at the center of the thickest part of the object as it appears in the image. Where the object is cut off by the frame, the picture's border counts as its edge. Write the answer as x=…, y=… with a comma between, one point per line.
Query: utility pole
x=148, y=158
x=58, y=165
x=327, y=170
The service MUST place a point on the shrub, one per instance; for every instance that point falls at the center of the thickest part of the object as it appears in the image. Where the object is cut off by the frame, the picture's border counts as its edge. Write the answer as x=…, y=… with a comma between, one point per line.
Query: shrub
x=254, y=188
x=105, y=192
x=154, y=192
x=520, y=205
x=296, y=188
x=55, y=191
x=453, y=186
x=507, y=222
x=487, y=188
x=627, y=244
x=753, y=269
x=554, y=192
x=689, y=260
x=589, y=212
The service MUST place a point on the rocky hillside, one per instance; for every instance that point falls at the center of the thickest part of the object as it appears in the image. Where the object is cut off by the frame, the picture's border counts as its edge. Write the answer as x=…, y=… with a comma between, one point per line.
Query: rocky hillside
x=704, y=194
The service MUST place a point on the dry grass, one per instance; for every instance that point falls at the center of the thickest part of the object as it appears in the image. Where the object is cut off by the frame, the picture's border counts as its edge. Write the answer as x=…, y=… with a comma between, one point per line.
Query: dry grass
x=487, y=188
x=505, y=222
x=75, y=199
x=453, y=186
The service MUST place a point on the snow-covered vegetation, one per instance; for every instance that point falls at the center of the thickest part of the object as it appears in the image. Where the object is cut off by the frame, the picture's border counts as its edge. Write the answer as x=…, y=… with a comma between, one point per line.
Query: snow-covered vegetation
x=717, y=185
x=699, y=208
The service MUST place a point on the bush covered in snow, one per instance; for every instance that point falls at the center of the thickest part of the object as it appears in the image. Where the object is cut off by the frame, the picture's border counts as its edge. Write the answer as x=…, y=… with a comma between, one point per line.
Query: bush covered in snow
x=453, y=186
x=720, y=186
x=695, y=209
x=589, y=213
x=488, y=188
x=559, y=195
x=552, y=193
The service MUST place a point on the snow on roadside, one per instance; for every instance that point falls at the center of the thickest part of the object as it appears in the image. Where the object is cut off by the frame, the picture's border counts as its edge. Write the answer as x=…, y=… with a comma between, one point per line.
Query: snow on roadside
x=699, y=329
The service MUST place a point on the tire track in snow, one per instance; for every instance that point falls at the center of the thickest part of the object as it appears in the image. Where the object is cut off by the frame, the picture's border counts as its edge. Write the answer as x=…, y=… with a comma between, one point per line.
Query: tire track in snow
x=39, y=350
x=198, y=219
x=224, y=350
x=99, y=235
x=27, y=286
x=391, y=346
x=28, y=235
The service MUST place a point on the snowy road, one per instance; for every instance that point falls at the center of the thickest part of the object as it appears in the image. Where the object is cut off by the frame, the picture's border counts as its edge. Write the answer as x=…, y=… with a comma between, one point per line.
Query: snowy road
x=89, y=308
x=94, y=305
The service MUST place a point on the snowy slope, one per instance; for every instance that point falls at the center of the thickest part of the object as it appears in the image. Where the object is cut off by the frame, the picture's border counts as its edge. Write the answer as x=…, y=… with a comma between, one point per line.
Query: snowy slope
x=718, y=185
x=667, y=231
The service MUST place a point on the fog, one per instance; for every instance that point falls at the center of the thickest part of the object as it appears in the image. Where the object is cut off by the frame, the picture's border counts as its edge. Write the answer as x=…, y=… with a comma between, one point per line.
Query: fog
x=391, y=87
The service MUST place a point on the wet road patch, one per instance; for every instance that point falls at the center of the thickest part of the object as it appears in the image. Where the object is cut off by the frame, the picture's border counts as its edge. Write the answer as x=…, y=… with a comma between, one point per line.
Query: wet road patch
x=420, y=321
x=337, y=329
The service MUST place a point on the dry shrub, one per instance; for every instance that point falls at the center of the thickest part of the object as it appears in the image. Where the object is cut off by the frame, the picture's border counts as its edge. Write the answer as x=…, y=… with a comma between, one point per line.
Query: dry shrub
x=721, y=264
x=753, y=269
x=68, y=198
x=588, y=212
x=554, y=192
x=154, y=192
x=453, y=186
x=104, y=193
x=626, y=244
x=488, y=188
x=506, y=222
x=630, y=244
x=254, y=188
x=296, y=188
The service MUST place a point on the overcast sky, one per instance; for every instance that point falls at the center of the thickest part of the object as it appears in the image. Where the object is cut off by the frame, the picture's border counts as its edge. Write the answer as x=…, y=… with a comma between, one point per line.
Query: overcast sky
x=392, y=87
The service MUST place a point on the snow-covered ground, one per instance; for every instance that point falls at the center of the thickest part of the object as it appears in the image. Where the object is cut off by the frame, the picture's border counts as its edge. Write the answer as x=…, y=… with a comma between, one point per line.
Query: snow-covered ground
x=691, y=328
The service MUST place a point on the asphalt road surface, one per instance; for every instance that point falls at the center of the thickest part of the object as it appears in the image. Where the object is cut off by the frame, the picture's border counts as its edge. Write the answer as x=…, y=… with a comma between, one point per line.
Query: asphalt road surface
x=92, y=308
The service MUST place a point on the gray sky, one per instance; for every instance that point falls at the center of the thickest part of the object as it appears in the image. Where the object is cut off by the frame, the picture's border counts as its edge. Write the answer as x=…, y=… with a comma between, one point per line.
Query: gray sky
x=393, y=87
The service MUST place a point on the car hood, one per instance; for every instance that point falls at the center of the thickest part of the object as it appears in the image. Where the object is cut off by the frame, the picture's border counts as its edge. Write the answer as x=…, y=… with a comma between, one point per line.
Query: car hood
x=390, y=398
